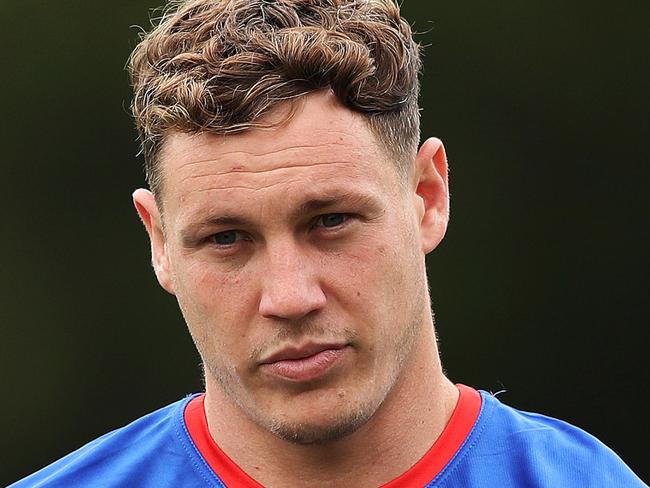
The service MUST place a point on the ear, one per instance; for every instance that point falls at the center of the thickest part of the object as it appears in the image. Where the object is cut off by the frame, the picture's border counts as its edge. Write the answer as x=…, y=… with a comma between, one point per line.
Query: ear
x=432, y=193
x=147, y=208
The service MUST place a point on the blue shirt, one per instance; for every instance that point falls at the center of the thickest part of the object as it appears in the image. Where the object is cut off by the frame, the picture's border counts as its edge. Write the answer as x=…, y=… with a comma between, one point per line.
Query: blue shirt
x=504, y=448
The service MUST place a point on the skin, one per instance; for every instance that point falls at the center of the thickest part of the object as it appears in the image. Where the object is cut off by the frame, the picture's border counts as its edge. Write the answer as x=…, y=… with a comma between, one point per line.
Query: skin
x=306, y=234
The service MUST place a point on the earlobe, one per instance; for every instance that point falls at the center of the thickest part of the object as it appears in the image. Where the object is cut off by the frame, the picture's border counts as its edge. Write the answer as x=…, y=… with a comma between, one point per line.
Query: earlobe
x=432, y=190
x=145, y=205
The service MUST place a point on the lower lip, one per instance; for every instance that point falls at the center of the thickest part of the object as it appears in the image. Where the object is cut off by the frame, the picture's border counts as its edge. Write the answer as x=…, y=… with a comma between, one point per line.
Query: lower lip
x=305, y=369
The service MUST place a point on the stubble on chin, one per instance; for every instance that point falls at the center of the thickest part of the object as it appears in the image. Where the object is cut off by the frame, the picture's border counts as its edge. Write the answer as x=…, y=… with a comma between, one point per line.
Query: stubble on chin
x=346, y=420
x=348, y=417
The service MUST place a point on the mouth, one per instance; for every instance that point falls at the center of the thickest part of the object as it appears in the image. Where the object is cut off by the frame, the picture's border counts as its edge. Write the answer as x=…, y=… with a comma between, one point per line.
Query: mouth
x=305, y=363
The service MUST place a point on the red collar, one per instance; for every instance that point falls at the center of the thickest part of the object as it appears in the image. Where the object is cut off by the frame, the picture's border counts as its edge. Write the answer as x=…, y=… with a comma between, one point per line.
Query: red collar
x=426, y=469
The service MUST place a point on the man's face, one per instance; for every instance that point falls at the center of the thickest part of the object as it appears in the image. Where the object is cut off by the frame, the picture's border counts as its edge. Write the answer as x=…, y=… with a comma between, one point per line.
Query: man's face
x=297, y=259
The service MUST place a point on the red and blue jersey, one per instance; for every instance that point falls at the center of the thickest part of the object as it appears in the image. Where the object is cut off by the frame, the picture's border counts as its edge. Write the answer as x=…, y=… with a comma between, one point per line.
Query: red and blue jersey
x=485, y=444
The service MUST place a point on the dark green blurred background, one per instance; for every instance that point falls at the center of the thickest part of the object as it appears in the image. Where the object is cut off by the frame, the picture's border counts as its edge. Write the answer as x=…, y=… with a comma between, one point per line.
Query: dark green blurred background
x=539, y=288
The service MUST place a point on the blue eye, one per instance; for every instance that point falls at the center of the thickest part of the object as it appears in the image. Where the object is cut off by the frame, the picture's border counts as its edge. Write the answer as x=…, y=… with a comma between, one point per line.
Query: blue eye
x=226, y=238
x=332, y=220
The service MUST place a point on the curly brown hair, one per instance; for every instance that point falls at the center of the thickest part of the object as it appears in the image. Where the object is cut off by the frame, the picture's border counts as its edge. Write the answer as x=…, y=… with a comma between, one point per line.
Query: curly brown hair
x=220, y=65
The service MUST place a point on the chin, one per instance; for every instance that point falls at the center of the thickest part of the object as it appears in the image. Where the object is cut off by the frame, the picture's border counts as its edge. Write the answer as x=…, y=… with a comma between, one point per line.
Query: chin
x=310, y=432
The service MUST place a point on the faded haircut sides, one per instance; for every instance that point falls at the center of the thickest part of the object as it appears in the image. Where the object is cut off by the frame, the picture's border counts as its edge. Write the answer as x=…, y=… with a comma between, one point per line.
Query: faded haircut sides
x=220, y=65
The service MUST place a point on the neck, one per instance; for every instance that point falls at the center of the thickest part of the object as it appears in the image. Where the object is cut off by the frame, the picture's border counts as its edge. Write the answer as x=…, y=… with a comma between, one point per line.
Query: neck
x=400, y=432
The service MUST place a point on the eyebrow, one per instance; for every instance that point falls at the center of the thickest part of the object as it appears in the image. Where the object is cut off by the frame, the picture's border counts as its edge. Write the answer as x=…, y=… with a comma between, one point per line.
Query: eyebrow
x=316, y=204
x=188, y=234
x=308, y=207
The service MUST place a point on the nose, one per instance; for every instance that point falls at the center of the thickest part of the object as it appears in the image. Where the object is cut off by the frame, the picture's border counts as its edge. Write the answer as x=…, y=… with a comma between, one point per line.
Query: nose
x=290, y=284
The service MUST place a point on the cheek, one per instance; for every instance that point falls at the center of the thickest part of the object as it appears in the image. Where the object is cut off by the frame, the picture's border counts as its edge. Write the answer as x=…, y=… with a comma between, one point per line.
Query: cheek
x=370, y=278
x=384, y=281
x=216, y=306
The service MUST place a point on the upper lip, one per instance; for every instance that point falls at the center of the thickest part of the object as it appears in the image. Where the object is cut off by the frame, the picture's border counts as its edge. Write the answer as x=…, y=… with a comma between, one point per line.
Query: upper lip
x=301, y=352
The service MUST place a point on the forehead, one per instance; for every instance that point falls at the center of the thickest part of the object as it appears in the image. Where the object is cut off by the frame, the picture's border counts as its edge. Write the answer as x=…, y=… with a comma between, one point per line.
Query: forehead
x=324, y=145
